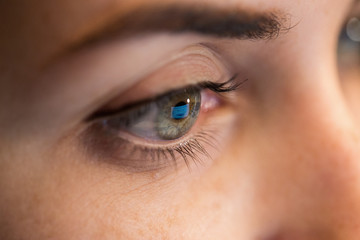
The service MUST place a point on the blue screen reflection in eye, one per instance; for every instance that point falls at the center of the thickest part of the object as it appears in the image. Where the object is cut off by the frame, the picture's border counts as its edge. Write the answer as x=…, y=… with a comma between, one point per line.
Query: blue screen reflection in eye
x=180, y=111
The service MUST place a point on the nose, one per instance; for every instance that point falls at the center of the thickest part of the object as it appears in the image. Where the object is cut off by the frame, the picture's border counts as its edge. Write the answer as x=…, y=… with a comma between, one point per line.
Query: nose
x=308, y=167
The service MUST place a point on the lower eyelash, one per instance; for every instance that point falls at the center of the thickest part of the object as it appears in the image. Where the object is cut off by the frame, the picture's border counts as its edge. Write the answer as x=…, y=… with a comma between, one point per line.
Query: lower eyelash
x=189, y=150
x=137, y=158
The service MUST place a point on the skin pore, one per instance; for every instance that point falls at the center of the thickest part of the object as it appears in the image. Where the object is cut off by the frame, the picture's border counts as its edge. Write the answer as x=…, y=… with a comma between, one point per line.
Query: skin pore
x=285, y=164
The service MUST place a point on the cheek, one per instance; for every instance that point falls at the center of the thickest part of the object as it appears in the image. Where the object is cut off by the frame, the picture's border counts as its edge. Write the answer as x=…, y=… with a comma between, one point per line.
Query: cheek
x=71, y=200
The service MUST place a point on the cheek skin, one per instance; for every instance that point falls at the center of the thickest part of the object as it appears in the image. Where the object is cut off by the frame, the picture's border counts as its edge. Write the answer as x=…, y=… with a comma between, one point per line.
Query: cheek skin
x=74, y=201
x=303, y=158
x=284, y=160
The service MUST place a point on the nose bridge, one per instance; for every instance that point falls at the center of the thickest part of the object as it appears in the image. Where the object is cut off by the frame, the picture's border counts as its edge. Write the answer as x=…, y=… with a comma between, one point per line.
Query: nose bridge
x=328, y=158
x=320, y=165
x=304, y=152
x=333, y=160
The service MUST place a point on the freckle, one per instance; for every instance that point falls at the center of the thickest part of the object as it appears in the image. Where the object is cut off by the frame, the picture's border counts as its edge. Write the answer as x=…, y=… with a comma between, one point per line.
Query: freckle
x=155, y=176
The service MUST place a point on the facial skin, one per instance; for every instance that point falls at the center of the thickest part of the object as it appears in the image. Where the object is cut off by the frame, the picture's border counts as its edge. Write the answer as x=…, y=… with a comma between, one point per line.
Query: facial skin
x=288, y=163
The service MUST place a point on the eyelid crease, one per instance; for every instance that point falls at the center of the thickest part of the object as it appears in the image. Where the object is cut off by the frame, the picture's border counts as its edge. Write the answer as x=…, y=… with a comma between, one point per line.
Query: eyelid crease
x=230, y=85
x=187, y=65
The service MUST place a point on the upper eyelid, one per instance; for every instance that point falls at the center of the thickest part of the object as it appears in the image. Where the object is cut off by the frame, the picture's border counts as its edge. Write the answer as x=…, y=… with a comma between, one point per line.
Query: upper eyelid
x=201, y=51
x=201, y=48
x=230, y=85
x=94, y=74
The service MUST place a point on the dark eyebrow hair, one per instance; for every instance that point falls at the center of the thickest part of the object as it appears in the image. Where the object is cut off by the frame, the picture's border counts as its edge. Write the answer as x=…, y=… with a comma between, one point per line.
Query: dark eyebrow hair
x=201, y=19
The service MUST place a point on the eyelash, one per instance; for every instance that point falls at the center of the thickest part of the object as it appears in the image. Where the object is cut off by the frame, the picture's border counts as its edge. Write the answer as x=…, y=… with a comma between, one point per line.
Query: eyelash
x=230, y=85
x=190, y=149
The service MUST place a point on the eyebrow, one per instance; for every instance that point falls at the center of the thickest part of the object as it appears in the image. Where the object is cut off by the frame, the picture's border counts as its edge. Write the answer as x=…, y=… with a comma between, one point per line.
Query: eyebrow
x=211, y=21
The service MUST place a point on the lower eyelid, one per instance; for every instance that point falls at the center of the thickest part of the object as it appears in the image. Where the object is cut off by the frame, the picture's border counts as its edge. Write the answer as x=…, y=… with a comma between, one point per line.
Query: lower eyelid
x=130, y=157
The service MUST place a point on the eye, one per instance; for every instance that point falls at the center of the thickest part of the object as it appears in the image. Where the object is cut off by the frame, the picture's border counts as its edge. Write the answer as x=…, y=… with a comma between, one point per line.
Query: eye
x=349, y=45
x=167, y=117
x=349, y=61
x=179, y=115
x=157, y=132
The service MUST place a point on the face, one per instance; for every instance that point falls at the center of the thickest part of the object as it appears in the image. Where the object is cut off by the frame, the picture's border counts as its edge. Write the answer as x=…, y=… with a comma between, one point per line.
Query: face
x=185, y=119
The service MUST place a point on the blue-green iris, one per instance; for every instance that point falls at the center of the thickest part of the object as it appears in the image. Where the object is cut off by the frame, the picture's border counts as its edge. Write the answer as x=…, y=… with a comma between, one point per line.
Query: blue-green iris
x=167, y=117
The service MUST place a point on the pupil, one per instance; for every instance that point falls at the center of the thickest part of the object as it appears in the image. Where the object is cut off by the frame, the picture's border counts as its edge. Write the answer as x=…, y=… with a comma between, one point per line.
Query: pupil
x=180, y=104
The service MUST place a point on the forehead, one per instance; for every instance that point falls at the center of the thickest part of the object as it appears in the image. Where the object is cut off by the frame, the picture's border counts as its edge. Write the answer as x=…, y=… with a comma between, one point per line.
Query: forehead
x=54, y=24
